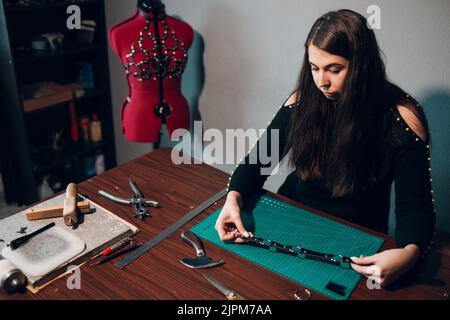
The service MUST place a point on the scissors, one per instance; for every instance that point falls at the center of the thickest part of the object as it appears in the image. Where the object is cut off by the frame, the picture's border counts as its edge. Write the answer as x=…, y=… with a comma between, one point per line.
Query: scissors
x=229, y=294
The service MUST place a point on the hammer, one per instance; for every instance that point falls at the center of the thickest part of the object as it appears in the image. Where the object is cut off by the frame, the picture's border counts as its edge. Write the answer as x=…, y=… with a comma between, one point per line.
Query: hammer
x=70, y=205
x=55, y=211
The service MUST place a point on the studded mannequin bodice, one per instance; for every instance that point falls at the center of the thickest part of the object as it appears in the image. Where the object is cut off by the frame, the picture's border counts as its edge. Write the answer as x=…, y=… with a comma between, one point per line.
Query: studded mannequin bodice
x=148, y=62
x=154, y=55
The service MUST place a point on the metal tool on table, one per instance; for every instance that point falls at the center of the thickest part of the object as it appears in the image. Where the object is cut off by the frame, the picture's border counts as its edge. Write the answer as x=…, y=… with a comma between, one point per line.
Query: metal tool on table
x=202, y=260
x=111, y=249
x=11, y=278
x=302, y=294
x=137, y=201
x=229, y=294
x=22, y=230
x=297, y=251
x=118, y=252
x=171, y=229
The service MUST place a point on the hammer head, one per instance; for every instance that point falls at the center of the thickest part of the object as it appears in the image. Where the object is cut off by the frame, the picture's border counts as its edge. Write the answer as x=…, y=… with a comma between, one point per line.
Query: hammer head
x=200, y=262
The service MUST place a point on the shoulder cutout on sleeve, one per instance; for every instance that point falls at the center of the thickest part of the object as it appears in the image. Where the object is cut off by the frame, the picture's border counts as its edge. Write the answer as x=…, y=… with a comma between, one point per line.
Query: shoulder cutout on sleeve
x=293, y=98
x=413, y=122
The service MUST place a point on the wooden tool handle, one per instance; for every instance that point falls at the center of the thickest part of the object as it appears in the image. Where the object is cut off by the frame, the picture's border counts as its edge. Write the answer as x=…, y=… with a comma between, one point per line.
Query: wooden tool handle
x=70, y=205
x=19, y=241
x=71, y=190
x=194, y=241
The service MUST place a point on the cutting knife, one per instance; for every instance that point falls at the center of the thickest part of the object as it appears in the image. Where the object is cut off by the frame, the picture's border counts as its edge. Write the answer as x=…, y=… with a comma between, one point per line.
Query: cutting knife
x=229, y=294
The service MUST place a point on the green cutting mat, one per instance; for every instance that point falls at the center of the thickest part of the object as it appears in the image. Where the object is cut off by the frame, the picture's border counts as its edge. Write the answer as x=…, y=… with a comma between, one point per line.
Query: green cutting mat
x=278, y=221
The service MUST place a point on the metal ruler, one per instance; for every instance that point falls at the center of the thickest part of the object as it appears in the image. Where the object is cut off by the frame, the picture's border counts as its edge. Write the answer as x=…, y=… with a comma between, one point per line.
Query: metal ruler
x=171, y=229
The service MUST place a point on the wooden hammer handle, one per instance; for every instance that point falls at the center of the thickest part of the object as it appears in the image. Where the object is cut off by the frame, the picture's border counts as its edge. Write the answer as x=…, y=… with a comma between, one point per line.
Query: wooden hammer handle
x=70, y=205
x=71, y=190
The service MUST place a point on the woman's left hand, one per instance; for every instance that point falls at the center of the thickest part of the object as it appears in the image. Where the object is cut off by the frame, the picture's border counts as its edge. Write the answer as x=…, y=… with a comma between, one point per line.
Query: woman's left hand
x=387, y=266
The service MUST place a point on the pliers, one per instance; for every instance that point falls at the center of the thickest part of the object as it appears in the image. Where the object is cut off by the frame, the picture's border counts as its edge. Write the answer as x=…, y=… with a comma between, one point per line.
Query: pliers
x=137, y=201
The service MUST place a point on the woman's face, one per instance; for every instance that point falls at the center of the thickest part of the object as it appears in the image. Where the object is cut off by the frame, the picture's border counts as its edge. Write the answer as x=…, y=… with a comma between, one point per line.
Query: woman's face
x=328, y=71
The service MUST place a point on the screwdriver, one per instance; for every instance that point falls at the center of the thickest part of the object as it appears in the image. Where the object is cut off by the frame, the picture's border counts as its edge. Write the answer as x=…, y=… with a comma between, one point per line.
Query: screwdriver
x=118, y=245
x=116, y=254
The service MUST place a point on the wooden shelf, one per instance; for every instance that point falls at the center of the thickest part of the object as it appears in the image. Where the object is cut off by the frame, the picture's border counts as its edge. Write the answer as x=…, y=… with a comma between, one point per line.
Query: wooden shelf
x=24, y=163
x=19, y=8
x=89, y=94
x=46, y=161
x=38, y=56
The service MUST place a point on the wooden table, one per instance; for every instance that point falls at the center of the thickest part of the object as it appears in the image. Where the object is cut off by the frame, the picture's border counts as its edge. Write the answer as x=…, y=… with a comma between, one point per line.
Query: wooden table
x=158, y=274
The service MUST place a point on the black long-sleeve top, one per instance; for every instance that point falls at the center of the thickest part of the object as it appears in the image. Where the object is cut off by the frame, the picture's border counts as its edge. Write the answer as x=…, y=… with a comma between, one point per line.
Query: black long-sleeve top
x=410, y=171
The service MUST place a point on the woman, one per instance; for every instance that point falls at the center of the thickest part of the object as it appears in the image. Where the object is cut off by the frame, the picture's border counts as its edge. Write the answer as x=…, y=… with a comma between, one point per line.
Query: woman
x=350, y=134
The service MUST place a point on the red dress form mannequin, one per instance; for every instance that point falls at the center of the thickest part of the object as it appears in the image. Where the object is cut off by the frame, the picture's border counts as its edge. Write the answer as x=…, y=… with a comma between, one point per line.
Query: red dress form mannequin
x=134, y=41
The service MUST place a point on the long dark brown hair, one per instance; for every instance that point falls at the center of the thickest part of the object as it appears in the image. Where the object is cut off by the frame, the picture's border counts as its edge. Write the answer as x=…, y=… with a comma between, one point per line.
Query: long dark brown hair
x=344, y=143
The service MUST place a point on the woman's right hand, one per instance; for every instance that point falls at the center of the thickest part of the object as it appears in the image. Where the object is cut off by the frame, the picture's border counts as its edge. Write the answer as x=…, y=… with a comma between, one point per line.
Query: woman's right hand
x=229, y=224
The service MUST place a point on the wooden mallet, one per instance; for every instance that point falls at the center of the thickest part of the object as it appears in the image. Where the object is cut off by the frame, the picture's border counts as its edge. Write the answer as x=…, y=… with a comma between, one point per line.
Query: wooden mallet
x=70, y=205
x=65, y=210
